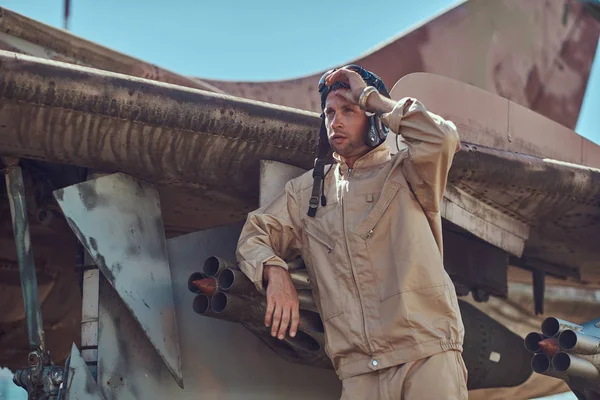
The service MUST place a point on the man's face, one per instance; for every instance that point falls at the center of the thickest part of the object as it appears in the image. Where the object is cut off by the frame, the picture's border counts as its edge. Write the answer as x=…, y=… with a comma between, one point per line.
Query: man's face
x=346, y=125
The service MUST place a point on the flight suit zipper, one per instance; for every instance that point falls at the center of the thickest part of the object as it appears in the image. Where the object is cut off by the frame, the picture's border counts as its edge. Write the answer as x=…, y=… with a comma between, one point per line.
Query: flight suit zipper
x=362, y=313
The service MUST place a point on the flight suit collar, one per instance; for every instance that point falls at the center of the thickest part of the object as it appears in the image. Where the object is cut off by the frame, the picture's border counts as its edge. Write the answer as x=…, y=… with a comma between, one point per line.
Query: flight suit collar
x=379, y=155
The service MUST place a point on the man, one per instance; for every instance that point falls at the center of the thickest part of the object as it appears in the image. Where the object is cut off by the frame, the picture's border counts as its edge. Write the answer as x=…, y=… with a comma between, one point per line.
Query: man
x=373, y=249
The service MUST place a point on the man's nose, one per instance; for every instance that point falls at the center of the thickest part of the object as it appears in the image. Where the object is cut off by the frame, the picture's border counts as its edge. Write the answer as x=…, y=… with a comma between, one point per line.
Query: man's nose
x=336, y=121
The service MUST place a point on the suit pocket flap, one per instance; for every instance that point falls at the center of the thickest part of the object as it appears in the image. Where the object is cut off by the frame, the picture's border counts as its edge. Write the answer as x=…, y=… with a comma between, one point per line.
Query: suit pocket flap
x=315, y=232
x=389, y=193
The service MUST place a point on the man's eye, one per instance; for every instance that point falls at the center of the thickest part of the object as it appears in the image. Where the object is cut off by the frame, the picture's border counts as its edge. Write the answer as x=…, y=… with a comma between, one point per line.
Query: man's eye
x=348, y=109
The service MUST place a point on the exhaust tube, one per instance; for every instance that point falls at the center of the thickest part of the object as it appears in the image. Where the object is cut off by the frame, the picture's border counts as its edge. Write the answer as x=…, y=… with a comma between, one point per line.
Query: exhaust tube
x=574, y=366
x=297, y=263
x=234, y=308
x=201, y=305
x=307, y=302
x=541, y=364
x=532, y=342
x=579, y=343
x=235, y=281
x=552, y=327
x=214, y=265
x=300, y=279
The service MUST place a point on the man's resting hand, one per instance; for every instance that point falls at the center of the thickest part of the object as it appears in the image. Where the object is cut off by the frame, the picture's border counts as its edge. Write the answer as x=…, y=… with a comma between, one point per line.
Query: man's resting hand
x=282, y=302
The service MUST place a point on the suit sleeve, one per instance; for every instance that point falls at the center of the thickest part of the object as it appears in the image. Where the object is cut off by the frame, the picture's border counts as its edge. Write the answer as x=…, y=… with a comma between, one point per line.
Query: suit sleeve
x=270, y=235
x=431, y=144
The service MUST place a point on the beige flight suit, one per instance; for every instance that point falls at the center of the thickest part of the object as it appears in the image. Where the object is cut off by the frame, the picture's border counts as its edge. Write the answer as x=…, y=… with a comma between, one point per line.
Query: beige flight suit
x=374, y=258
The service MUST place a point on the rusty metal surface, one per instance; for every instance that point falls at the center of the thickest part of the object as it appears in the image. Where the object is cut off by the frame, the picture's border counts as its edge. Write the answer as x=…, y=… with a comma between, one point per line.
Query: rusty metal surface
x=80, y=384
x=559, y=202
x=530, y=52
x=169, y=134
x=24, y=35
x=221, y=360
x=18, y=208
x=118, y=220
x=487, y=223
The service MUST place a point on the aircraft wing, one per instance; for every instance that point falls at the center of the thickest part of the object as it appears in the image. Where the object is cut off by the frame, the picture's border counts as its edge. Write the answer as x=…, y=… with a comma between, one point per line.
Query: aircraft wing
x=528, y=185
x=204, y=149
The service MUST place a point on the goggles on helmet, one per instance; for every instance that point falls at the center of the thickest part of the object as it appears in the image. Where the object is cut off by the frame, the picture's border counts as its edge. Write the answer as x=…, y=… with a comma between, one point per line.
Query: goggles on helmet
x=370, y=79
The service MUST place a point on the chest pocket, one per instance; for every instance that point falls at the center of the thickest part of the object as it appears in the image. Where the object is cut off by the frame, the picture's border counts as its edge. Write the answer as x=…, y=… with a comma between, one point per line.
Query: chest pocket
x=383, y=261
x=368, y=224
x=322, y=270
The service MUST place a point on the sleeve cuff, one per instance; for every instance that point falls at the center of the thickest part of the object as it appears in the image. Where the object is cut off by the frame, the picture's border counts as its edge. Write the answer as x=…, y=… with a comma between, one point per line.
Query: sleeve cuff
x=258, y=273
x=393, y=118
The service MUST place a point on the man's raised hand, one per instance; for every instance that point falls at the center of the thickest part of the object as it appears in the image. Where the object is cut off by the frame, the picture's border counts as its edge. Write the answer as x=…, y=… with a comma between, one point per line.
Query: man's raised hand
x=352, y=78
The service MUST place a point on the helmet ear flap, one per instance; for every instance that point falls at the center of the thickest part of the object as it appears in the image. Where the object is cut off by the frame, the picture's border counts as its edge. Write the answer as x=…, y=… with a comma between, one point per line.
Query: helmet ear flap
x=377, y=131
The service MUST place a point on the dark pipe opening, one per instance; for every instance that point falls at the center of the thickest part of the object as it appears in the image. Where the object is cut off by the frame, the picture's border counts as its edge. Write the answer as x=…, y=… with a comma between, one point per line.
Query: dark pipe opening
x=201, y=304
x=532, y=342
x=281, y=348
x=304, y=341
x=218, y=302
x=211, y=266
x=561, y=362
x=226, y=279
x=567, y=339
x=194, y=277
x=540, y=363
x=550, y=327
x=311, y=321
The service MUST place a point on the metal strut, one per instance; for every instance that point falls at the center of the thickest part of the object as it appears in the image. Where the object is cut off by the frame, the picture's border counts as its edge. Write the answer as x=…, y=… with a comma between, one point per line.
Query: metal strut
x=18, y=209
x=42, y=380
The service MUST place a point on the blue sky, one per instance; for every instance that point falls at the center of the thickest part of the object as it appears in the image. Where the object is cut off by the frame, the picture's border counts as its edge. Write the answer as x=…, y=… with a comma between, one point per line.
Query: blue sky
x=255, y=40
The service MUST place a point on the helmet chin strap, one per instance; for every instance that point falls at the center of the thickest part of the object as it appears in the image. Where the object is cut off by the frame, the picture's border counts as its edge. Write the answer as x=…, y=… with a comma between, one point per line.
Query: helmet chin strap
x=323, y=151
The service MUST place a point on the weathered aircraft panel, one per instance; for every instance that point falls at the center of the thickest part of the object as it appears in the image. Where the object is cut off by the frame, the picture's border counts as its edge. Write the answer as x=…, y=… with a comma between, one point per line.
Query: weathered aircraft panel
x=118, y=220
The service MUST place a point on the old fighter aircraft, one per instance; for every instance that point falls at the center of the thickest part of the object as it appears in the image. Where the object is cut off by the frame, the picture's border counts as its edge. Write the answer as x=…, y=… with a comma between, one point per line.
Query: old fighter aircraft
x=126, y=185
